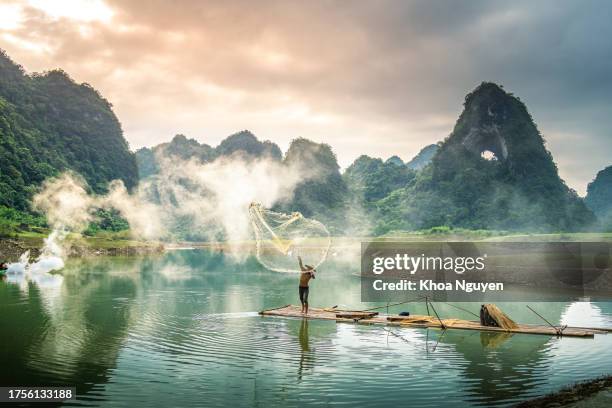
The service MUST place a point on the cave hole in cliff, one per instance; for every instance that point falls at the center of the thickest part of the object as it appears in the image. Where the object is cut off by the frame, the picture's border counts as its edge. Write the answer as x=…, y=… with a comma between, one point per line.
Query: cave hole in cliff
x=488, y=155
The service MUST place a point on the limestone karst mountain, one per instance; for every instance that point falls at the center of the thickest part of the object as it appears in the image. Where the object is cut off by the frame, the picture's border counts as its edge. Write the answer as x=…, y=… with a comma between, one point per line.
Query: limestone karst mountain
x=493, y=171
x=244, y=143
x=323, y=193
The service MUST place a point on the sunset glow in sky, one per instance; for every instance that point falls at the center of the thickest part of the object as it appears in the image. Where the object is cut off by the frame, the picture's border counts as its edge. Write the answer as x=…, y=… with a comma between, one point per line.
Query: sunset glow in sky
x=367, y=77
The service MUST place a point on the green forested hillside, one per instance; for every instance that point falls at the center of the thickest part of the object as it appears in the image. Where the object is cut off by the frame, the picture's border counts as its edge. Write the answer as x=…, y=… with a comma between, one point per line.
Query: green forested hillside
x=370, y=179
x=323, y=194
x=49, y=123
x=246, y=143
x=492, y=172
x=599, y=197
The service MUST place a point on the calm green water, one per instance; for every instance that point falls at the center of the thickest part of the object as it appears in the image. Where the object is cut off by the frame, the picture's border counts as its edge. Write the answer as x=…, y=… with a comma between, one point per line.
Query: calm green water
x=182, y=330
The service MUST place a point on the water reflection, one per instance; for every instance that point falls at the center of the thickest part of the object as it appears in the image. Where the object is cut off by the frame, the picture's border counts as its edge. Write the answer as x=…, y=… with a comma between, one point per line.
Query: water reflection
x=63, y=334
x=499, y=366
x=574, y=315
x=181, y=328
x=494, y=340
x=306, y=357
x=48, y=285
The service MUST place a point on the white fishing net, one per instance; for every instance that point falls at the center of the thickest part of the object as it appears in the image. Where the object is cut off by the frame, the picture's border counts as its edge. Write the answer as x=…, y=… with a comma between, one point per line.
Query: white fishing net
x=281, y=238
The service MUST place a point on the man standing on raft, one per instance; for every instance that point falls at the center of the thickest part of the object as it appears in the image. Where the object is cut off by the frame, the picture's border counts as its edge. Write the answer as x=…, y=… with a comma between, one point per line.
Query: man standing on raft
x=308, y=272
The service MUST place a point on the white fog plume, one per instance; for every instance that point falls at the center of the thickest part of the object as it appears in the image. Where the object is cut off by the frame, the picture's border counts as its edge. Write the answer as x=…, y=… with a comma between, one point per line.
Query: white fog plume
x=65, y=203
x=216, y=195
x=145, y=218
x=68, y=208
x=212, y=198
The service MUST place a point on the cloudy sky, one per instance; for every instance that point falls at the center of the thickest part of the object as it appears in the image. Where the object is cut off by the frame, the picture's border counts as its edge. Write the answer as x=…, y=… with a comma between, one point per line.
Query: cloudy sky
x=374, y=77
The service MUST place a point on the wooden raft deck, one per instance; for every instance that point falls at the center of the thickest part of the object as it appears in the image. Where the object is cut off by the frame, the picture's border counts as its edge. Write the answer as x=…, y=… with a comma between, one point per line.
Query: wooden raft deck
x=396, y=320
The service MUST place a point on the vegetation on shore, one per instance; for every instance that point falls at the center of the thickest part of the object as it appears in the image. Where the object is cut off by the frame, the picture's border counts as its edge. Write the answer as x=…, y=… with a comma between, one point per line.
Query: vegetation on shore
x=15, y=224
x=447, y=233
x=570, y=395
x=108, y=231
x=102, y=240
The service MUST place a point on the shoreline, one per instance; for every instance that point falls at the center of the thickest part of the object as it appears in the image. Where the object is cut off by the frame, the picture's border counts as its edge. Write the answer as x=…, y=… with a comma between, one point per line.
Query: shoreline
x=12, y=248
x=570, y=394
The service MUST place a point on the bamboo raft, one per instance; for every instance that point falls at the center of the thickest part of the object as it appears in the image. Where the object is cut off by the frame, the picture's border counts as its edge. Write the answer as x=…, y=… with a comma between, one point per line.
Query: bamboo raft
x=416, y=321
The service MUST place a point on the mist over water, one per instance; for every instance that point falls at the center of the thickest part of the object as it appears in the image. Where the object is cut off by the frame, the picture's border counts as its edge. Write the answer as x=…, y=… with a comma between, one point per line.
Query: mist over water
x=212, y=199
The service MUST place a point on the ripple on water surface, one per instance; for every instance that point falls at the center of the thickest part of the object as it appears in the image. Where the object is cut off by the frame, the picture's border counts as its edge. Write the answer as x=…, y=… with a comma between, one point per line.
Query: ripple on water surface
x=148, y=340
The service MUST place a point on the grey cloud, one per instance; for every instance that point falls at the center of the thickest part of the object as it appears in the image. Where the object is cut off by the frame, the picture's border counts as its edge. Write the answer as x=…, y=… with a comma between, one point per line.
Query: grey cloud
x=392, y=74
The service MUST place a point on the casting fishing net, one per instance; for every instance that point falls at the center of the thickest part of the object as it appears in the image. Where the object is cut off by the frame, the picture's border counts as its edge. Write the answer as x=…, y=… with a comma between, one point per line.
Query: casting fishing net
x=281, y=238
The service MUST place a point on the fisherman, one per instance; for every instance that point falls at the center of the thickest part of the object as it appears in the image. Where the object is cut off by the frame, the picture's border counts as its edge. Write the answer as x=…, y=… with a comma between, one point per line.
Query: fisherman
x=308, y=272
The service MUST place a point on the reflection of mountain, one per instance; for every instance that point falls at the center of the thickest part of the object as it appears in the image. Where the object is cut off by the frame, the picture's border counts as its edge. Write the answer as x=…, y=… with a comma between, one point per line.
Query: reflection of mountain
x=75, y=342
x=498, y=367
x=19, y=336
x=586, y=314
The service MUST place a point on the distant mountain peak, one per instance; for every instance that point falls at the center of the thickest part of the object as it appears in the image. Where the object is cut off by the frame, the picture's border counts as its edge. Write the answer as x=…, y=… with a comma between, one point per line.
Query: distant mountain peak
x=599, y=195
x=243, y=143
x=395, y=160
x=179, y=138
x=423, y=157
x=242, y=135
x=495, y=124
x=247, y=143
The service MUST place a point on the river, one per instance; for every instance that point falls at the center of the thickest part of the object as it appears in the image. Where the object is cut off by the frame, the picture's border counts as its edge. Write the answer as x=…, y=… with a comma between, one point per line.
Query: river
x=182, y=329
